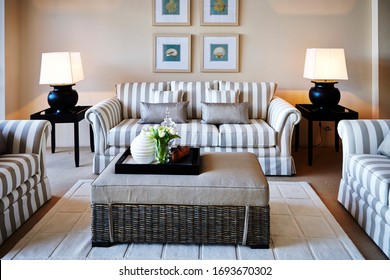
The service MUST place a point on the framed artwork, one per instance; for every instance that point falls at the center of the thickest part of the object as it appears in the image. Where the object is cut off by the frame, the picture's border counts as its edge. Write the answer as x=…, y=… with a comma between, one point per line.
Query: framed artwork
x=219, y=12
x=220, y=53
x=171, y=12
x=172, y=53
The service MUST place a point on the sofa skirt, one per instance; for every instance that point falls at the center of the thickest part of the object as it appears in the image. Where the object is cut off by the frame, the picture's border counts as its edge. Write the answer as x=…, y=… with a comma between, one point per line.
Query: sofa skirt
x=23, y=208
x=367, y=217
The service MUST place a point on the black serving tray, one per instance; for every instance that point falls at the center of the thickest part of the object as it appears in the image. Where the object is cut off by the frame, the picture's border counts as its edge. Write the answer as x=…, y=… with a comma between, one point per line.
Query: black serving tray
x=189, y=165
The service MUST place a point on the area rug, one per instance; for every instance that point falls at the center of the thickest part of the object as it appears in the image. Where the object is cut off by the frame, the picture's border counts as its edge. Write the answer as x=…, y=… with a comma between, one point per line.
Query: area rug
x=302, y=228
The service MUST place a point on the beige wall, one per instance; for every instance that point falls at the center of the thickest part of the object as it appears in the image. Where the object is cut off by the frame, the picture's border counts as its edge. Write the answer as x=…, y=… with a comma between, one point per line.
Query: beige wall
x=384, y=59
x=115, y=40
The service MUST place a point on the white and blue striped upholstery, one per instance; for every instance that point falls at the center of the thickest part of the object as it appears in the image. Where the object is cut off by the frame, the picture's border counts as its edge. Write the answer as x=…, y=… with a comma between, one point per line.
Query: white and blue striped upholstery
x=16, y=169
x=372, y=172
x=195, y=92
x=258, y=95
x=132, y=94
x=256, y=134
x=24, y=186
x=193, y=133
x=197, y=134
x=115, y=123
x=365, y=185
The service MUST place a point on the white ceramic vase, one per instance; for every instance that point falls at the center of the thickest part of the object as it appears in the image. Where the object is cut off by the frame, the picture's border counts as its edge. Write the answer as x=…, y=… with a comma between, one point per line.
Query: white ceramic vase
x=143, y=149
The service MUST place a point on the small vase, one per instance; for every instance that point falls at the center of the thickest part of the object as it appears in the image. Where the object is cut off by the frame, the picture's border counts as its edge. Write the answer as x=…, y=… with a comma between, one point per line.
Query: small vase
x=142, y=149
x=162, y=152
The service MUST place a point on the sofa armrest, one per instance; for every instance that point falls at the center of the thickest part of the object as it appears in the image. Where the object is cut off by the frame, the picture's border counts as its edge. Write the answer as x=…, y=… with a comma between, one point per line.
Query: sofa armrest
x=27, y=137
x=104, y=116
x=362, y=136
x=282, y=116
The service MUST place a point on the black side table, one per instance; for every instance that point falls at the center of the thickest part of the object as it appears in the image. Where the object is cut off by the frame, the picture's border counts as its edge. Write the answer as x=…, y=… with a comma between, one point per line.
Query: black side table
x=74, y=116
x=311, y=113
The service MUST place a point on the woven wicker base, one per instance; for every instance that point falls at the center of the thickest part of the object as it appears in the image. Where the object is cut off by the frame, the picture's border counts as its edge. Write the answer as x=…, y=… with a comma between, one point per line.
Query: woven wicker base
x=119, y=223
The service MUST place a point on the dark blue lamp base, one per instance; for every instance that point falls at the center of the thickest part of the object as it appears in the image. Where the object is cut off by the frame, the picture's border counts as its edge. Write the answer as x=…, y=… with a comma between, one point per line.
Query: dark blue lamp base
x=324, y=95
x=62, y=98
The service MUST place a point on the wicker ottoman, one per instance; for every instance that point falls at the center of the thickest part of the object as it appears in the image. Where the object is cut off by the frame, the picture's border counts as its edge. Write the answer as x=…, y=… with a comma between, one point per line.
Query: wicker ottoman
x=228, y=203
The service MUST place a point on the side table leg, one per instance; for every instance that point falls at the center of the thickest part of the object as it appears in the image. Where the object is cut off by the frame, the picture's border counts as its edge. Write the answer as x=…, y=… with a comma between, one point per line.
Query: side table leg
x=310, y=142
x=76, y=144
x=91, y=140
x=53, y=137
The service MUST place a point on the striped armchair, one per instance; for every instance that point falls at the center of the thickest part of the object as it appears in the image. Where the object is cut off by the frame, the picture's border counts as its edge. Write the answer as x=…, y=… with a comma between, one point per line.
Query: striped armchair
x=365, y=183
x=268, y=135
x=24, y=186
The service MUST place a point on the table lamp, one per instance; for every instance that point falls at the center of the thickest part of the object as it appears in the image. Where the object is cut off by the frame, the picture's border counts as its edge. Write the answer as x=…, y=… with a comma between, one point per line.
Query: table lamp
x=61, y=70
x=325, y=67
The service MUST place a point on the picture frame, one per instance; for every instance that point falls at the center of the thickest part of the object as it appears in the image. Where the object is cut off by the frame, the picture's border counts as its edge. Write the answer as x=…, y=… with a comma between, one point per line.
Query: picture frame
x=220, y=12
x=220, y=52
x=171, y=12
x=172, y=53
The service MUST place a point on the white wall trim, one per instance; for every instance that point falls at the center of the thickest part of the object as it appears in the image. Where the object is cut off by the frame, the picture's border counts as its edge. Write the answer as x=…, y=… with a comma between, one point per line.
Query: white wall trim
x=2, y=60
x=375, y=57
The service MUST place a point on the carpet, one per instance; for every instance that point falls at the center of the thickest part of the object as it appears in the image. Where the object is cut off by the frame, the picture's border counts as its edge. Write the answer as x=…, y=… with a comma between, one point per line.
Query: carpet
x=302, y=228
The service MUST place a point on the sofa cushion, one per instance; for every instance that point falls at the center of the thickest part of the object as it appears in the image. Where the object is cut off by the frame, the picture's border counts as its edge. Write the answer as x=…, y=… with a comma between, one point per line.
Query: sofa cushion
x=167, y=96
x=15, y=169
x=2, y=144
x=372, y=172
x=155, y=113
x=196, y=134
x=384, y=147
x=195, y=92
x=256, y=134
x=20, y=191
x=222, y=96
x=192, y=133
x=258, y=95
x=132, y=94
x=124, y=133
x=221, y=113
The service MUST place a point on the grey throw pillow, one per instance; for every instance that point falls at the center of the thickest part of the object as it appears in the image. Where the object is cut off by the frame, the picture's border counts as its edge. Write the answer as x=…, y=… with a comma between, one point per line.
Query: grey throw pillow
x=384, y=148
x=154, y=113
x=3, y=148
x=221, y=113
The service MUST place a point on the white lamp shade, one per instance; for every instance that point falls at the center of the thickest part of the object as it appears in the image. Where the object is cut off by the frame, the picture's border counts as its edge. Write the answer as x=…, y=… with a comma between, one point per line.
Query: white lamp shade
x=61, y=68
x=325, y=64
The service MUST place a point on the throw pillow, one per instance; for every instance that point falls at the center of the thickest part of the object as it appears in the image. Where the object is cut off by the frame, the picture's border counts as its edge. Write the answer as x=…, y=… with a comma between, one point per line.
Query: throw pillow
x=167, y=96
x=2, y=145
x=221, y=113
x=154, y=113
x=195, y=92
x=258, y=95
x=222, y=96
x=384, y=148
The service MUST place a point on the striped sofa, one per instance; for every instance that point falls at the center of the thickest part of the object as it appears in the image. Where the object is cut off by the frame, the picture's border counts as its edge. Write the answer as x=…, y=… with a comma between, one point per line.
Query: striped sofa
x=364, y=187
x=115, y=122
x=24, y=186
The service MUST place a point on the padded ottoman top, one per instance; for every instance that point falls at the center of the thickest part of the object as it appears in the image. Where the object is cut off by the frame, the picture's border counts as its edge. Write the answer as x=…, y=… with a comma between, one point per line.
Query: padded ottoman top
x=234, y=179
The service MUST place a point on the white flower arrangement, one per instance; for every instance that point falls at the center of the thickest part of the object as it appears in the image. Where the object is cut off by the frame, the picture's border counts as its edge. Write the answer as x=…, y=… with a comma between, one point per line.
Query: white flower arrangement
x=161, y=135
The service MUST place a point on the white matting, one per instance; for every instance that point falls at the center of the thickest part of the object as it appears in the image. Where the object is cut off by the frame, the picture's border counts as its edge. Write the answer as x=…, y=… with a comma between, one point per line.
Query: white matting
x=302, y=228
